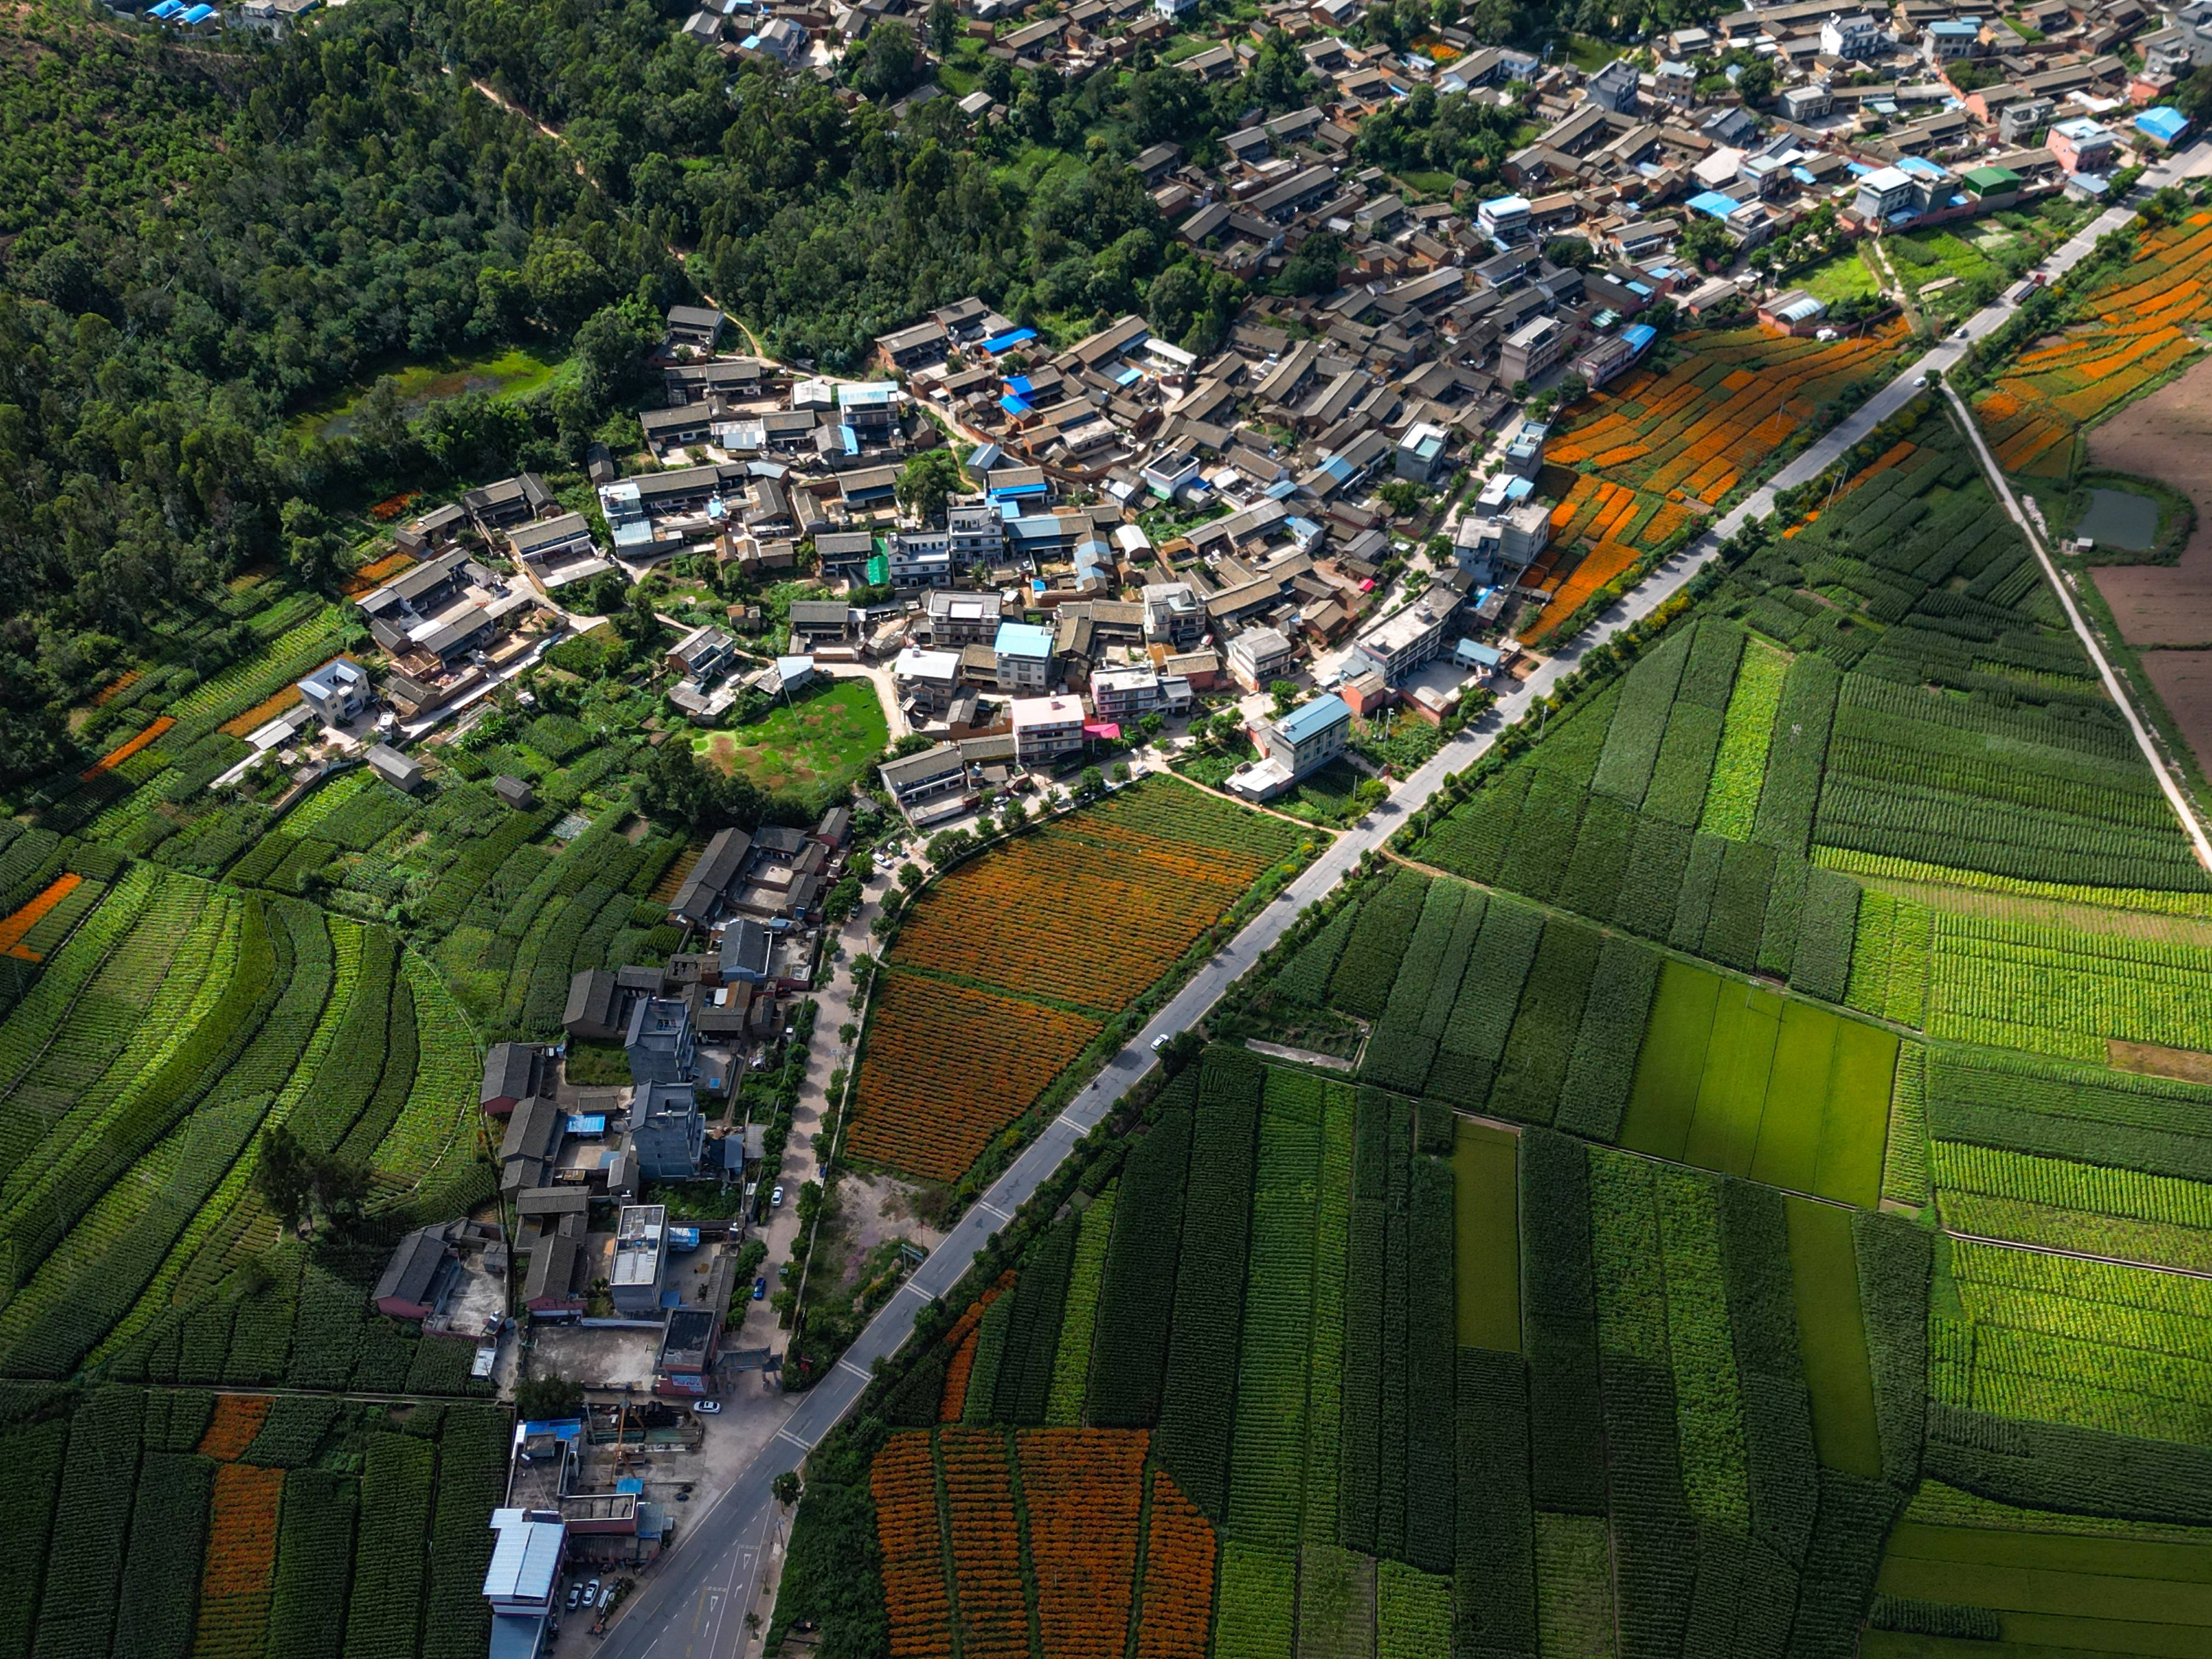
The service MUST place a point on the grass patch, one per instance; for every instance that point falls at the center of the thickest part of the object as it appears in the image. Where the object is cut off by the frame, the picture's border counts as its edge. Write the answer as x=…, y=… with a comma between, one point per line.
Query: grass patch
x=598, y=1065
x=1845, y=276
x=1831, y=1337
x=1485, y=1172
x=510, y=371
x=1739, y=1079
x=826, y=741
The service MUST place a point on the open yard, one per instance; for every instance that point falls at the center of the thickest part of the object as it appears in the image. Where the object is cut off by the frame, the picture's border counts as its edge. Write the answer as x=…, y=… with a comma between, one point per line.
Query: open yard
x=822, y=741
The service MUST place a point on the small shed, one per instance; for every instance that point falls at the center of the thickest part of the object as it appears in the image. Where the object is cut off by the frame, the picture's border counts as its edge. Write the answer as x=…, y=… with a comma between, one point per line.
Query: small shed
x=515, y=791
x=395, y=769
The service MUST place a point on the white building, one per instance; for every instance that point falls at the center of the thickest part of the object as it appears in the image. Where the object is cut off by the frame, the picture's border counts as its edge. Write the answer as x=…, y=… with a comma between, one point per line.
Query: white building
x=1045, y=728
x=1258, y=657
x=1130, y=694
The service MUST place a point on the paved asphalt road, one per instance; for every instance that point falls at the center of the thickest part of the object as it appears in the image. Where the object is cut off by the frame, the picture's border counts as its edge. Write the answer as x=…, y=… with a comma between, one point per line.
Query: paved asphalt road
x=694, y=1606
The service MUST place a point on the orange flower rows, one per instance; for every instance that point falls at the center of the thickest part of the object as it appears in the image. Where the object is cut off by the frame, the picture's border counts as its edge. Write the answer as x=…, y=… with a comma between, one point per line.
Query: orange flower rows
x=261, y=713
x=961, y=1339
x=116, y=687
x=375, y=576
x=903, y=1481
x=948, y=1066
x=1010, y=965
x=238, y=1418
x=115, y=758
x=392, y=507
x=1083, y=1488
x=13, y=930
x=1598, y=567
x=1012, y=919
x=2143, y=325
x=987, y=1544
x=1178, y=1602
x=241, y=1558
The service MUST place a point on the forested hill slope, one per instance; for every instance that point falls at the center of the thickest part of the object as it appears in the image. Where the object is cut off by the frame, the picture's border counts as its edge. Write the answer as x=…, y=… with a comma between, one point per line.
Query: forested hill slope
x=199, y=236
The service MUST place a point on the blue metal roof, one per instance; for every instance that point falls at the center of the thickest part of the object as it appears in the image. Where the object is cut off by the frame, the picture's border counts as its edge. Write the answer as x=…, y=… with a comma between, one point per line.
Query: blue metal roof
x=1639, y=335
x=1014, y=404
x=1019, y=384
x=1713, y=204
x=2164, y=123
x=1023, y=639
x=1009, y=340
x=1309, y=720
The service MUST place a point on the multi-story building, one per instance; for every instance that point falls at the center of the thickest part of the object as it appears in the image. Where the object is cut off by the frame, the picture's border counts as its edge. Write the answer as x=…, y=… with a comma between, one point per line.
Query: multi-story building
x=2083, y=146
x=1395, y=647
x=1173, y=616
x=1129, y=694
x=952, y=620
x=976, y=532
x=1309, y=737
x=640, y=1260
x=1531, y=349
x=666, y=1131
x=1852, y=35
x=1046, y=728
x=1258, y=657
x=337, y=691
x=1022, y=654
x=660, y=1041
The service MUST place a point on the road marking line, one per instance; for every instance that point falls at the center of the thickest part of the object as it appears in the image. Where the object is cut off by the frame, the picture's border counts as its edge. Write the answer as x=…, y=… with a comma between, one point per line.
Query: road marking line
x=785, y=1434
x=993, y=1209
x=848, y=1366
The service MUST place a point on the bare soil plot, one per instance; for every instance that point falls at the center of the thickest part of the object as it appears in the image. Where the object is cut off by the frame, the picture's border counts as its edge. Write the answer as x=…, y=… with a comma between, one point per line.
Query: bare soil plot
x=2166, y=436
x=2184, y=678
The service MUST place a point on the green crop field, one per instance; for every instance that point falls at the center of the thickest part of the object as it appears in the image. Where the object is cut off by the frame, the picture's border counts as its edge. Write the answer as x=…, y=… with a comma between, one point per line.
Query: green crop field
x=1488, y=1261
x=1748, y=1083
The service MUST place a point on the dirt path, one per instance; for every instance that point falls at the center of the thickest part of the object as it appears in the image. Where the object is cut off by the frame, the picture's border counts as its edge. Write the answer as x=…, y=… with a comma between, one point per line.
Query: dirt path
x=576, y=162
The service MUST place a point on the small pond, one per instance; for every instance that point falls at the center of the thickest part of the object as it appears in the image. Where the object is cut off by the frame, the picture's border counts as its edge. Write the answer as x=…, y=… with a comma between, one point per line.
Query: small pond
x=2121, y=519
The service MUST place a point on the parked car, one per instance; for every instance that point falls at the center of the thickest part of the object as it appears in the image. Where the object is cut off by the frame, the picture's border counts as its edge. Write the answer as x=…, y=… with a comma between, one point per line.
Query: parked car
x=607, y=1595
x=775, y=1198
x=591, y=1593
x=575, y=1596
x=706, y=1407
x=760, y=1289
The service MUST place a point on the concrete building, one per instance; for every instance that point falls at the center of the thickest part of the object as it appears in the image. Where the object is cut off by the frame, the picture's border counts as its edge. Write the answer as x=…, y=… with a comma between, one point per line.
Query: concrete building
x=1259, y=656
x=1022, y=653
x=1046, y=728
x=2083, y=146
x=1129, y=694
x=1853, y=35
x=1420, y=452
x=337, y=691
x=667, y=1131
x=1531, y=349
x=660, y=1041
x=928, y=785
x=1405, y=639
x=1173, y=616
x=522, y=1580
x=640, y=1260
x=1309, y=737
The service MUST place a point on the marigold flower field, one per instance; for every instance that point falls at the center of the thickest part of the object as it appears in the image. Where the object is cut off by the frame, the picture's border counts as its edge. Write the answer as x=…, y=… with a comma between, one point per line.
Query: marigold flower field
x=2144, y=322
x=1011, y=964
x=1662, y=446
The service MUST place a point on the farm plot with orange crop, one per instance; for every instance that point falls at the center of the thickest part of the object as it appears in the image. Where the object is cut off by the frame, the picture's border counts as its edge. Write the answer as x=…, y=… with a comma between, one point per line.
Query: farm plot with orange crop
x=1072, y=1534
x=987, y=1544
x=948, y=1066
x=2142, y=324
x=242, y=1559
x=1178, y=1577
x=1010, y=964
x=115, y=758
x=1082, y=1487
x=1663, y=443
x=903, y=1482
